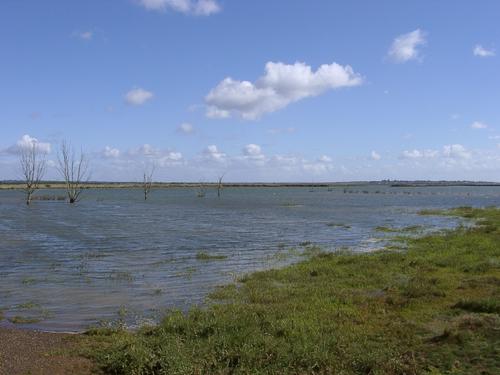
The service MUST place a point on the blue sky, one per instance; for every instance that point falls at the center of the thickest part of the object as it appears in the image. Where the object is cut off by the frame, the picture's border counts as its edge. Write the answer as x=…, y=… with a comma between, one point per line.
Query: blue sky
x=260, y=90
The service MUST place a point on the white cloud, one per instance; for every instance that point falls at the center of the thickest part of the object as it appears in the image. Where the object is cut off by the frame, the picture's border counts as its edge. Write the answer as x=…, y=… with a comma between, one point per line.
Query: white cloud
x=478, y=125
x=110, y=152
x=196, y=7
x=145, y=150
x=419, y=154
x=138, y=96
x=456, y=151
x=281, y=85
x=26, y=142
x=83, y=35
x=185, y=128
x=252, y=150
x=494, y=137
x=375, y=155
x=213, y=153
x=325, y=159
x=405, y=47
x=483, y=52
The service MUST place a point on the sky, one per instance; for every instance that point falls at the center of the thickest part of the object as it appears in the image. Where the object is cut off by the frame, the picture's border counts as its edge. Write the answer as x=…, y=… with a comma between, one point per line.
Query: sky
x=260, y=90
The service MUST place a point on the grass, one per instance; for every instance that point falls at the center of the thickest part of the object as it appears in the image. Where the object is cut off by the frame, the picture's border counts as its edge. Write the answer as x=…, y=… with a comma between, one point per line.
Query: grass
x=432, y=309
x=409, y=229
x=203, y=255
x=17, y=319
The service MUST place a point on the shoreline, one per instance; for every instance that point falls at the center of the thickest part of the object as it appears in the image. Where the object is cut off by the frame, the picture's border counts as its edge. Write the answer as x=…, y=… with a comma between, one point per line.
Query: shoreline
x=443, y=317
x=18, y=185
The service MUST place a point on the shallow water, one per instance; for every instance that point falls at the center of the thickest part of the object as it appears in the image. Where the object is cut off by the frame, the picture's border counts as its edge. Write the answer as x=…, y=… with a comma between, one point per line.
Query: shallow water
x=73, y=266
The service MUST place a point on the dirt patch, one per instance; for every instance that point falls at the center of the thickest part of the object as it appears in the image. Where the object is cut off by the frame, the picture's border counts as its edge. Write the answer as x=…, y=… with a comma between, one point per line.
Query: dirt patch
x=30, y=352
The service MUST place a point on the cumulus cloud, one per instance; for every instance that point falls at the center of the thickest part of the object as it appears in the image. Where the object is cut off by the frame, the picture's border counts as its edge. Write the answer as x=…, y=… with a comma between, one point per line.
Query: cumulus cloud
x=27, y=142
x=138, y=96
x=374, y=155
x=406, y=46
x=480, y=51
x=478, y=125
x=185, y=128
x=419, y=154
x=281, y=85
x=253, y=152
x=213, y=153
x=325, y=159
x=110, y=152
x=196, y=7
x=456, y=151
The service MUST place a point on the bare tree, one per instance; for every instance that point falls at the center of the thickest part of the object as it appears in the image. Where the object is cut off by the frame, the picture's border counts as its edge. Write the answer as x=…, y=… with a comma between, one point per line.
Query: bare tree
x=219, y=186
x=33, y=166
x=74, y=170
x=147, y=182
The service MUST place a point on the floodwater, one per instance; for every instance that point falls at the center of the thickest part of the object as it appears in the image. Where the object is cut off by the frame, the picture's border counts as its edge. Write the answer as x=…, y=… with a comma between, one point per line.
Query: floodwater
x=68, y=267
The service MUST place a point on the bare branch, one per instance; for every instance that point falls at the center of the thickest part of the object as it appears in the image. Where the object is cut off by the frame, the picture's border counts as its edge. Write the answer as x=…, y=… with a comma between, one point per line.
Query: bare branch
x=74, y=170
x=219, y=185
x=148, y=181
x=33, y=165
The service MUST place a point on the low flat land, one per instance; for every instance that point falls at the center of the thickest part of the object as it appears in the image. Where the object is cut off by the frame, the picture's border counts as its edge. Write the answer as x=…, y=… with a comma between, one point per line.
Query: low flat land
x=165, y=185
x=428, y=305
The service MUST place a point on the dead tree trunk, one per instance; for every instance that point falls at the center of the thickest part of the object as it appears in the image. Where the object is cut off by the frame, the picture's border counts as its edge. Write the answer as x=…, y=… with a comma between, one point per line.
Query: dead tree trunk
x=147, y=182
x=219, y=186
x=33, y=165
x=74, y=170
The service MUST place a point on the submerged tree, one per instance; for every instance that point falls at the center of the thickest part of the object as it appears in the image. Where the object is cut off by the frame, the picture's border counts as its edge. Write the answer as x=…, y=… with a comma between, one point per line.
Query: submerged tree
x=147, y=182
x=33, y=166
x=219, y=186
x=74, y=170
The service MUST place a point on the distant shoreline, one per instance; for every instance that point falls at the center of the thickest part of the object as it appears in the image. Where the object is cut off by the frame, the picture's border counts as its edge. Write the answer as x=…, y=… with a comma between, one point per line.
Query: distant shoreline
x=16, y=185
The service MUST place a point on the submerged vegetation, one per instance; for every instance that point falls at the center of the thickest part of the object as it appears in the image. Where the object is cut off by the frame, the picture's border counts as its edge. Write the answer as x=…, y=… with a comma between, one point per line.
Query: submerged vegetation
x=432, y=308
x=203, y=255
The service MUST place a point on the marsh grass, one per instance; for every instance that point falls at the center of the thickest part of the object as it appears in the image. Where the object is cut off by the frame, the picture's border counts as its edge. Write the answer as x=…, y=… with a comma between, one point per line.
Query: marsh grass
x=203, y=255
x=431, y=309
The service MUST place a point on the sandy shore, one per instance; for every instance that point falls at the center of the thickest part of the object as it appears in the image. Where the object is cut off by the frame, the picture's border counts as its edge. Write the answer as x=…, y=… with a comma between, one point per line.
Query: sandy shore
x=31, y=352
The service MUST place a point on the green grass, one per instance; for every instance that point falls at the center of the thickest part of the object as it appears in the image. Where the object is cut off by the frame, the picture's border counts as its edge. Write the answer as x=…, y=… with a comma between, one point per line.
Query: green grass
x=409, y=229
x=24, y=320
x=431, y=309
x=203, y=255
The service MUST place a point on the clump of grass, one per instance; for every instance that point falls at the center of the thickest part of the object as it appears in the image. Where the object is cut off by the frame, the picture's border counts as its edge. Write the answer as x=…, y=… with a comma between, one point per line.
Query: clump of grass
x=121, y=276
x=17, y=319
x=30, y=305
x=408, y=229
x=28, y=281
x=386, y=312
x=339, y=225
x=482, y=306
x=203, y=255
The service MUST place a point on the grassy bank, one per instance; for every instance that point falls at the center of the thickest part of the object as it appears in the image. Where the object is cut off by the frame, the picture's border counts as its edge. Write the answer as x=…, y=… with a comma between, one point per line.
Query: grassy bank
x=432, y=307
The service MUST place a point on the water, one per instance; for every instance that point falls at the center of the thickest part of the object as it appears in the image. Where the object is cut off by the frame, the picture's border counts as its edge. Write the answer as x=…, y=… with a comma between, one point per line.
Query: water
x=73, y=266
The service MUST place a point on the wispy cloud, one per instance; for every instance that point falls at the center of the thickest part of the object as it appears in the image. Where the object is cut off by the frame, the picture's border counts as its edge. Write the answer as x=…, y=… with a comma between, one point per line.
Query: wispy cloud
x=374, y=155
x=195, y=7
x=478, y=125
x=138, y=96
x=185, y=128
x=480, y=51
x=85, y=35
x=406, y=46
x=281, y=85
